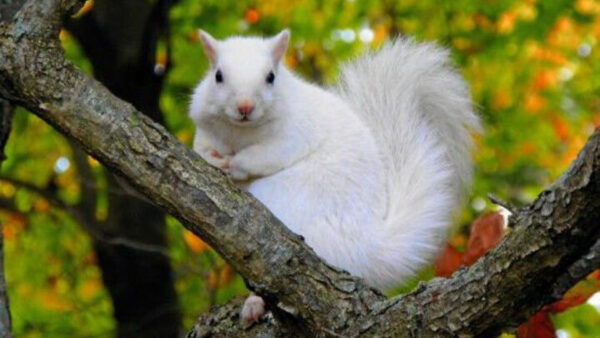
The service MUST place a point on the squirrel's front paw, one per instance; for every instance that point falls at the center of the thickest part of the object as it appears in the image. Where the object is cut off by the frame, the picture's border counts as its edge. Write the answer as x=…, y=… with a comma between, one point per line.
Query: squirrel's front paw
x=216, y=159
x=239, y=168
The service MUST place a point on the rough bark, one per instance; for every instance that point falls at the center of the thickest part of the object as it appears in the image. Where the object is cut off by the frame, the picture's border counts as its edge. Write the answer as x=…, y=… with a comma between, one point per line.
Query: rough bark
x=7, y=10
x=123, y=53
x=552, y=245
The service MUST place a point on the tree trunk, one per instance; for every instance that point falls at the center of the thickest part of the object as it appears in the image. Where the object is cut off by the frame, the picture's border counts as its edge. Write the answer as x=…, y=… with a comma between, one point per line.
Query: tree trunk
x=122, y=53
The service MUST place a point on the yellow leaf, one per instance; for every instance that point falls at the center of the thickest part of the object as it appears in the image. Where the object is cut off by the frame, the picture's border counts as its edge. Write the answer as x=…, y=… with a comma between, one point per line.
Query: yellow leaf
x=63, y=35
x=586, y=6
x=7, y=189
x=506, y=23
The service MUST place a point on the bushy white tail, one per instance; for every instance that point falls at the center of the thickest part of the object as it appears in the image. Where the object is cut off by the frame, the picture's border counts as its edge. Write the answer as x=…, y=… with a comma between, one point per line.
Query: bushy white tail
x=419, y=111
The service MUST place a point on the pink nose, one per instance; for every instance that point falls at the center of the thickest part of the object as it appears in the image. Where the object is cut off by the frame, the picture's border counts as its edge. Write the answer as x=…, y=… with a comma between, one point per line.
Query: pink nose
x=245, y=109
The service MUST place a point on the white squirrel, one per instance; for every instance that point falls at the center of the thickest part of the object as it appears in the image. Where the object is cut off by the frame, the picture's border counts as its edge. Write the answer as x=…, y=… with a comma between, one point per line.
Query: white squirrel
x=370, y=173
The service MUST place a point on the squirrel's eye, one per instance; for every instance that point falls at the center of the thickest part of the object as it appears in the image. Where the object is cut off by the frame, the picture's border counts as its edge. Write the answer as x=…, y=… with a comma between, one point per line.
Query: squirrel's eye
x=219, y=76
x=270, y=78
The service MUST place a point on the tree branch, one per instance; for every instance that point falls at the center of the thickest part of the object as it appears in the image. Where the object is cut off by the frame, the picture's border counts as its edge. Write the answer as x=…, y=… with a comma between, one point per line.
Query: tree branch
x=87, y=222
x=552, y=244
x=7, y=12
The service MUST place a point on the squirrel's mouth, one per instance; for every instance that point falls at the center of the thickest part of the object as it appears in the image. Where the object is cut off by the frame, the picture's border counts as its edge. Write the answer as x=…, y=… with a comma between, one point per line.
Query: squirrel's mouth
x=242, y=121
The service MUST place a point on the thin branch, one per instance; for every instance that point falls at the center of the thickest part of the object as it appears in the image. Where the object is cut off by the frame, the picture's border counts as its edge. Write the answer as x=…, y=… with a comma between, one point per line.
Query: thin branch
x=90, y=224
x=577, y=271
x=497, y=201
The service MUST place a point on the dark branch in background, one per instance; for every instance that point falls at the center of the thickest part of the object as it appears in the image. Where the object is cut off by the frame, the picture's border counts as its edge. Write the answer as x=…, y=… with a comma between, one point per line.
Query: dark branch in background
x=6, y=113
x=90, y=225
x=554, y=240
x=123, y=54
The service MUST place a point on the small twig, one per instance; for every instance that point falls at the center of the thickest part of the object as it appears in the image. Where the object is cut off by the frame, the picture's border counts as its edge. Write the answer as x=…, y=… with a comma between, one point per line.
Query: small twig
x=497, y=201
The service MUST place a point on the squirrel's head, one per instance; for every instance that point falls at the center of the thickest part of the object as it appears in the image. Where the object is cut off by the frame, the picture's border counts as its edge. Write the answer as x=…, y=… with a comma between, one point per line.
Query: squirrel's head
x=242, y=82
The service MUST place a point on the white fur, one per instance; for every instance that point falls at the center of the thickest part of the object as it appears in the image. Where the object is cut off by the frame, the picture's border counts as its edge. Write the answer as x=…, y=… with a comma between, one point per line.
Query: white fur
x=370, y=174
x=253, y=309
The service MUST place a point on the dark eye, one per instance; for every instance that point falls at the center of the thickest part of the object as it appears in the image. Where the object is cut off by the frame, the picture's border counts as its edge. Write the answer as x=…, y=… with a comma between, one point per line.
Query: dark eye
x=270, y=78
x=219, y=76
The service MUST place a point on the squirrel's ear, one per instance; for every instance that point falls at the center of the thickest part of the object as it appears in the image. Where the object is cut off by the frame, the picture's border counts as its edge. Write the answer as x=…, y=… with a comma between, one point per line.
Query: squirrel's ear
x=210, y=46
x=280, y=44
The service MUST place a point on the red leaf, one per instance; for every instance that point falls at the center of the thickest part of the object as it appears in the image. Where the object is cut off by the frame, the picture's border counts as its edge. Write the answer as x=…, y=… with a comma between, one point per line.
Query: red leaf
x=447, y=262
x=538, y=326
x=486, y=233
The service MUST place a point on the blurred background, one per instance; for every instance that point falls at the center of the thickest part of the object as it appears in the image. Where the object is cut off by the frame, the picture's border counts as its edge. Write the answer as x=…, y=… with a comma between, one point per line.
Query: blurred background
x=88, y=257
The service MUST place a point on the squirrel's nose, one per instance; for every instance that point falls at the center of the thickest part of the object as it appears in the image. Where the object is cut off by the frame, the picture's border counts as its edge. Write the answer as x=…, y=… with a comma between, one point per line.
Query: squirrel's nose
x=245, y=108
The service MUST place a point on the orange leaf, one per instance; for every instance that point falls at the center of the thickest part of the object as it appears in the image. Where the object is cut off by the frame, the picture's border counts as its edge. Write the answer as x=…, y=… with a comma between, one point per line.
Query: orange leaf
x=538, y=326
x=545, y=79
x=252, y=16
x=13, y=225
x=196, y=244
x=585, y=6
x=486, y=233
x=561, y=128
x=506, y=23
x=534, y=102
x=447, y=262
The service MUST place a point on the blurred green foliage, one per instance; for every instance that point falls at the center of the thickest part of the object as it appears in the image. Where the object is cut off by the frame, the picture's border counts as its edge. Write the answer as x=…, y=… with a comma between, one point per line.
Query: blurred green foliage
x=535, y=78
